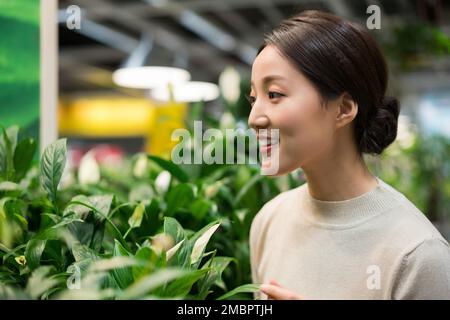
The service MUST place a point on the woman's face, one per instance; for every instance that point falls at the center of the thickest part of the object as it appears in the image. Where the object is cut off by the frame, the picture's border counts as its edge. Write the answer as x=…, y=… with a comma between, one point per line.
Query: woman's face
x=282, y=98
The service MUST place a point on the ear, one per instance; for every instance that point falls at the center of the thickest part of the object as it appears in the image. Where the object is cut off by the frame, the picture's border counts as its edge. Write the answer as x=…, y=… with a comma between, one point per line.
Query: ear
x=346, y=111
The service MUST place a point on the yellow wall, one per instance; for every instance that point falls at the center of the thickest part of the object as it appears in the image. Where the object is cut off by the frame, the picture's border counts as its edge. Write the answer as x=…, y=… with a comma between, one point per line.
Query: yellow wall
x=123, y=117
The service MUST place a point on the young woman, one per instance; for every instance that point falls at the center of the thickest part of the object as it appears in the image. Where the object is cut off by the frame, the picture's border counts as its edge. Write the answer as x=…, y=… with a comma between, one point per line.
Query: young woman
x=345, y=234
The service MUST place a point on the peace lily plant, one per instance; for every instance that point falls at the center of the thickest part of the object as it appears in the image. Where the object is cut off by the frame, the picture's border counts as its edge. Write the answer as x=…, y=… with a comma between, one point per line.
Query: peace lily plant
x=105, y=237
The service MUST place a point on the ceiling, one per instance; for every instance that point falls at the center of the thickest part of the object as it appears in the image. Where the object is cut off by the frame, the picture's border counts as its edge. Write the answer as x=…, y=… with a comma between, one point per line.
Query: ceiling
x=203, y=36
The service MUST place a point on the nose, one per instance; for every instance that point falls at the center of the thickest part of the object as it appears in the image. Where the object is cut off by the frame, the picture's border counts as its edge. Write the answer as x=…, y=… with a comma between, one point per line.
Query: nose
x=258, y=119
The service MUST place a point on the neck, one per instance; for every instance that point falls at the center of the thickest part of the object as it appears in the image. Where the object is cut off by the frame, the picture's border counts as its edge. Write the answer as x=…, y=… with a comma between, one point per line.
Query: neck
x=338, y=176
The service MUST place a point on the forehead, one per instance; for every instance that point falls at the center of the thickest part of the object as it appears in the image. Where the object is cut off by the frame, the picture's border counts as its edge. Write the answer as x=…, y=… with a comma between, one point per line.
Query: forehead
x=269, y=62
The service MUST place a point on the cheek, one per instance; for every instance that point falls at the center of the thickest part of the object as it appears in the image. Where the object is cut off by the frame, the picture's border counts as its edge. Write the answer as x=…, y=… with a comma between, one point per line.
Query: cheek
x=304, y=128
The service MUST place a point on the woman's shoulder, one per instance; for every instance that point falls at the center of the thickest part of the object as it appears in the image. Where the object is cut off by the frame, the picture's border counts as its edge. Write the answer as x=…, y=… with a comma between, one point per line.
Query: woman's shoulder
x=406, y=220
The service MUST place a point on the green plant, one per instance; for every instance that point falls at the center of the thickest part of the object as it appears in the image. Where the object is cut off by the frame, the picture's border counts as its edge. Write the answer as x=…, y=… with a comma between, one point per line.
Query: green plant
x=411, y=45
x=117, y=239
x=200, y=195
x=420, y=170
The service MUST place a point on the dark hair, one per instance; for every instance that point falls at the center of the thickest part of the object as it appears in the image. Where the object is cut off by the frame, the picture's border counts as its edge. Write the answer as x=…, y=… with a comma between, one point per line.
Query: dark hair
x=340, y=56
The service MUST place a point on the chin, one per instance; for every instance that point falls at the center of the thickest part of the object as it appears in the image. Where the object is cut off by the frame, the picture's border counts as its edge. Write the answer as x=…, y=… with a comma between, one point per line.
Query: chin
x=276, y=172
x=277, y=165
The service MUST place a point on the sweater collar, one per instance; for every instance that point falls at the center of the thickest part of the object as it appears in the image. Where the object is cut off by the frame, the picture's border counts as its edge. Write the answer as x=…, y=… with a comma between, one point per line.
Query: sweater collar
x=347, y=212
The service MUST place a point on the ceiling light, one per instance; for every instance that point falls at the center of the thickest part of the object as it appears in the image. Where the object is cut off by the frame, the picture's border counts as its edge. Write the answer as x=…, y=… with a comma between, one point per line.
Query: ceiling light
x=187, y=92
x=149, y=77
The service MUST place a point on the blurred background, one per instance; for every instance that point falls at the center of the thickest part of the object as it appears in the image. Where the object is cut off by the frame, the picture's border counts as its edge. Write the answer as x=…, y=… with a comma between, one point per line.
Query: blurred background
x=116, y=77
x=207, y=37
x=113, y=96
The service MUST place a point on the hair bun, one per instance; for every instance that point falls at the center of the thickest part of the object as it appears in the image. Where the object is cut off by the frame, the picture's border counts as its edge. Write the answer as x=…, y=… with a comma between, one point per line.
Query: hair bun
x=381, y=129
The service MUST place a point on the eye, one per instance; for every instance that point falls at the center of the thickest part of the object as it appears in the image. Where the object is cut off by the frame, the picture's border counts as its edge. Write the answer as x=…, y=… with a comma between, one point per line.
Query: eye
x=274, y=95
x=271, y=94
x=250, y=99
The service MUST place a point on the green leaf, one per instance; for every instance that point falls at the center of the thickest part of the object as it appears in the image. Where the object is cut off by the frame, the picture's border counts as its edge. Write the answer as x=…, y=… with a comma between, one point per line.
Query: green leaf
x=119, y=250
x=151, y=282
x=82, y=205
x=81, y=252
x=33, y=252
x=226, y=194
x=66, y=221
x=48, y=220
x=217, y=266
x=114, y=228
x=180, y=196
x=182, y=286
x=200, y=208
x=75, y=207
x=4, y=248
x=182, y=256
x=97, y=237
x=123, y=276
x=141, y=192
x=102, y=203
x=21, y=220
x=143, y=254
x=52, y=166
x=151, y=220
x=172, y=251
x=13, y=252
x=81, y=231
x=23, y=157
x=47, y=234
x=202, y=240
x=8, y=142
x=246, y=288
x=174, y=229
x=174, y=170
x=14, y=209
x=6, y=232
x=54, y=251
x=114, y=263
x=247, y=186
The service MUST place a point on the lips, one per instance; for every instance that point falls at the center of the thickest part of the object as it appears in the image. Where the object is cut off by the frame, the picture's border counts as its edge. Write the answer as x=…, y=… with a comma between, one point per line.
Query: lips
x=266, y=149
x=266, y=144
x=267, y=140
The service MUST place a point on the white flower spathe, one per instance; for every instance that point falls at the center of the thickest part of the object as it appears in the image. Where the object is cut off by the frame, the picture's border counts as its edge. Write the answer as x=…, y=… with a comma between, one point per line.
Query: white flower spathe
x=162, y=182
x=229, y=83
x=140, y=167
x=89, y=170
x=227, y=121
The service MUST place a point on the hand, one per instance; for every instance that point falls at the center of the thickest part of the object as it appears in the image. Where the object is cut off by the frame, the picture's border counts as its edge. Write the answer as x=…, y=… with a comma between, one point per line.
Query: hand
x=275, y=291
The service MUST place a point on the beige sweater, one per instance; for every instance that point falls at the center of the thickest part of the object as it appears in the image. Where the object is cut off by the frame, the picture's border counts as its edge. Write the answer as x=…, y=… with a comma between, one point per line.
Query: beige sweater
x=375, y=246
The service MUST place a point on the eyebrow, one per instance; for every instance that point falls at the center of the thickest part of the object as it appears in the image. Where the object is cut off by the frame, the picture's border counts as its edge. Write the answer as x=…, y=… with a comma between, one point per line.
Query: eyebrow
x=268, y=79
